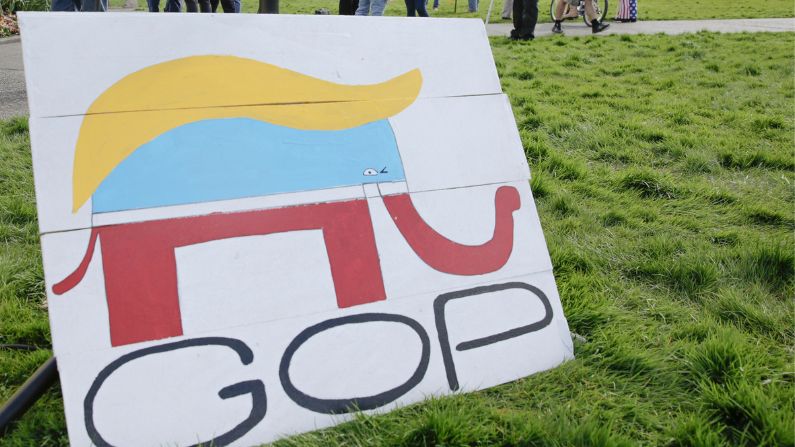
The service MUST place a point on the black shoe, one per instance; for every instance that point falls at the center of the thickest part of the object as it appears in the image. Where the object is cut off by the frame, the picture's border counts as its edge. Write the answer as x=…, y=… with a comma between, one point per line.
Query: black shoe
x=598, y=27
x=556, y=28
x=516, y=36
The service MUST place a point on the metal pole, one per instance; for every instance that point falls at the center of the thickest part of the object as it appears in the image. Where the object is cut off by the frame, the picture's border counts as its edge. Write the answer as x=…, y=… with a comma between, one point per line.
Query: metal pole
x=28, y=393
x=268, y=7
x=488, y=14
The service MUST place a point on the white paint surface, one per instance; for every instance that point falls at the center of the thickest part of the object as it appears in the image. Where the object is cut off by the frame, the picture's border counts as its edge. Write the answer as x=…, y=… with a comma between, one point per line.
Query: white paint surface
x=342, y=49
x=458, y=143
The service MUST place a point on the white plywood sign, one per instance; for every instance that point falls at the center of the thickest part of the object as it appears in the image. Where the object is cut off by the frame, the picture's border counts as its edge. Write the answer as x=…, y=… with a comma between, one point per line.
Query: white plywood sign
x=278, y=220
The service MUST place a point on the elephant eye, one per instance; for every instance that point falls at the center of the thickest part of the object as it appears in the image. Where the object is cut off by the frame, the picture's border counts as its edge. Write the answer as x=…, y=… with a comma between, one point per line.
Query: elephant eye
x=370, y=171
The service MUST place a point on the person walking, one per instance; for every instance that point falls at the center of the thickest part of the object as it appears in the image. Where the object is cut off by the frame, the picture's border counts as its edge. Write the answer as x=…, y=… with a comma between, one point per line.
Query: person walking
x=596, y=25
x=415, y=8
x=371, y=7
x=525, y=17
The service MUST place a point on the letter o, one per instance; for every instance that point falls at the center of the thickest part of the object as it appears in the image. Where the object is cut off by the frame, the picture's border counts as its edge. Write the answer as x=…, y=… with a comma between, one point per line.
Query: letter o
x=335, y=406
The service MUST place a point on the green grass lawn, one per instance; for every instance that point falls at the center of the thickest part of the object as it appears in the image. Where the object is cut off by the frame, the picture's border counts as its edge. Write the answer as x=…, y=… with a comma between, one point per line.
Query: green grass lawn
x=664, y=175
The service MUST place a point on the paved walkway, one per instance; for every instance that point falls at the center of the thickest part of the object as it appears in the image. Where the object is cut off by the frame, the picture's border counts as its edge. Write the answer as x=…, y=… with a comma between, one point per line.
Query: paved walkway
x=13, y=100
x=578, y=28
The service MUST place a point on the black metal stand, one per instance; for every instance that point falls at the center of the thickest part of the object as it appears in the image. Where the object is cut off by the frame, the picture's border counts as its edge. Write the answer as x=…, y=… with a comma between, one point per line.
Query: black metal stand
x=28, y=393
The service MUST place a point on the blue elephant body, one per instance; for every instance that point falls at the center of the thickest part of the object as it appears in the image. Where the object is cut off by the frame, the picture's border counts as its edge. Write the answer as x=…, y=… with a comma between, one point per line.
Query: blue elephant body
x=224, y=159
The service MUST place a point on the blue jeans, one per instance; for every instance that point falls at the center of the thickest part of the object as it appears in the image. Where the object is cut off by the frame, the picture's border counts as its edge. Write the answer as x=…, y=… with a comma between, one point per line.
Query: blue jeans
x=171, y=6
x=78, y=5
x=473, y=5
x=371, y=8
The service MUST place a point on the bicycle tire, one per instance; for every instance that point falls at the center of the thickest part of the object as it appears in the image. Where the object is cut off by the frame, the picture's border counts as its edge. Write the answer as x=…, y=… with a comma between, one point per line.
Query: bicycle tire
x=602, y=11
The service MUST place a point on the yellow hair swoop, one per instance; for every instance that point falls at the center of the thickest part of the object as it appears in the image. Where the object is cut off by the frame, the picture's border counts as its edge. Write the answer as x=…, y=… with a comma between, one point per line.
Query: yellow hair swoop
x=156, y=99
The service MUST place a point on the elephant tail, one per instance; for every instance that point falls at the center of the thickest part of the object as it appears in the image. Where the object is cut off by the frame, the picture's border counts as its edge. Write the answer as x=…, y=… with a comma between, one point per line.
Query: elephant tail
x=75, y=277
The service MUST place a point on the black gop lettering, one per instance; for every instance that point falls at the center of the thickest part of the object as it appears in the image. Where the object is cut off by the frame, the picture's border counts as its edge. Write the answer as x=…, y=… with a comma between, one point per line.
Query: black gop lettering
x=335, y=406
x=253, y=387
x=441, y=324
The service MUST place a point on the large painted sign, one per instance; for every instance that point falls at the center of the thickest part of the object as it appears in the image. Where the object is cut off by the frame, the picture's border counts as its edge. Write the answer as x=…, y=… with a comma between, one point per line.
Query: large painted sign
x=254, y=226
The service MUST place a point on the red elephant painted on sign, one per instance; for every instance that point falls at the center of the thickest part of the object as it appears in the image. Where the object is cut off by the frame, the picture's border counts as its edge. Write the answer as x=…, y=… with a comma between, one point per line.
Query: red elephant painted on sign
x=140, y=270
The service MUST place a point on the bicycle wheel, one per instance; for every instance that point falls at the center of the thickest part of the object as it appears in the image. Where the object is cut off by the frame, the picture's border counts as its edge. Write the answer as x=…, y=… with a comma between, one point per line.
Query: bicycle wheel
x=600, y=6
x=569, y=12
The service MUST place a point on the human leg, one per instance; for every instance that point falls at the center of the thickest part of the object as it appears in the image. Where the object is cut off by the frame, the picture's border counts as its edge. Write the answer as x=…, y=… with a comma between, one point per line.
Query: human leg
x=560, y=8
x=228, y=6
x=622, y=12
x=473, y=5
x=530, y=19
x=364, y=8
x=65, y=5
x=377, y=7
x=191, y=5
x=559, y=17
x=420, y=7
x=93, y=5
x=517, y=18
x=570, y=12
x=410, y=10
x=348, y=7
x=525, y=16
x=589, y=11
x=507, y=8
x=596, y=25
x=173, y=6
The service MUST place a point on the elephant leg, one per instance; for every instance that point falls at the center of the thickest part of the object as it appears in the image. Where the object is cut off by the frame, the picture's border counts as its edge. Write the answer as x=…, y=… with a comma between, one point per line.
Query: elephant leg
x=140, y=284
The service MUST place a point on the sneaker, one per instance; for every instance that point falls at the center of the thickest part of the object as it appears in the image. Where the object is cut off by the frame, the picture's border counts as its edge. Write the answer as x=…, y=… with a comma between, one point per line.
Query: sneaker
x=598, y=27
x=556, y=28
